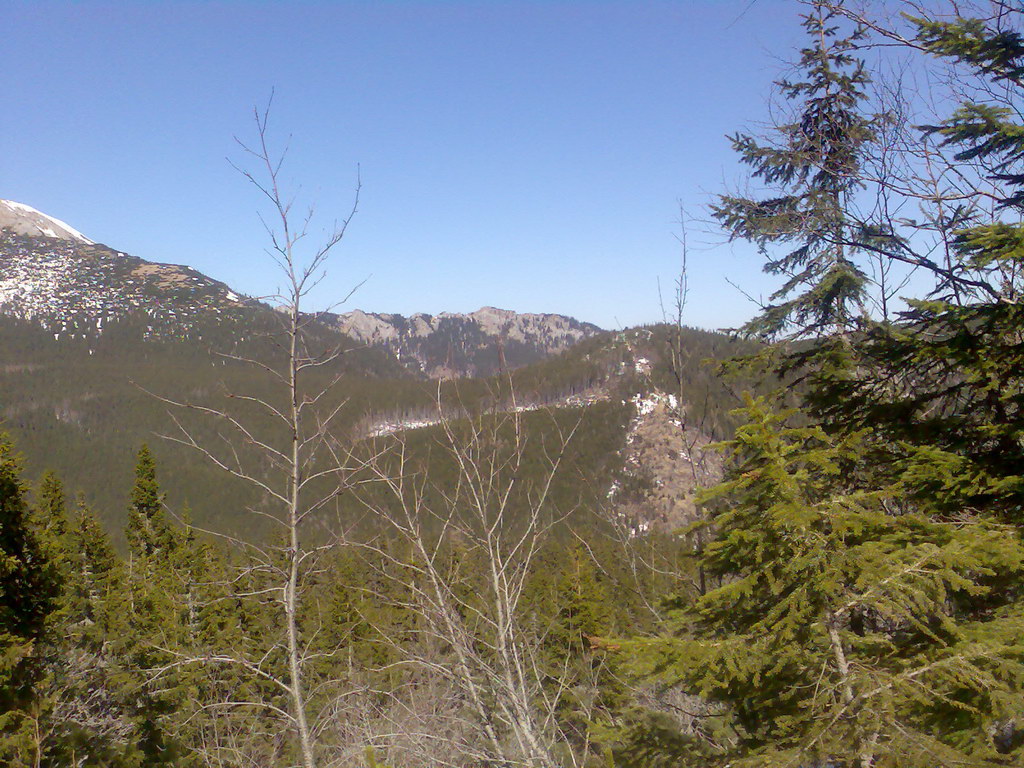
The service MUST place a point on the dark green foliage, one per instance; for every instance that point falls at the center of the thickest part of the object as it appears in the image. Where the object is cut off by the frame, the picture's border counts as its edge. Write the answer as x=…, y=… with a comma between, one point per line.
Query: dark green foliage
x=82, y=405
x=106, y=686
x=86, y=714
x=582, y=600
x=29, y=587
x=810, y=168
x=849, y=626
x=51, y=515
x=945, y=381
x=995, y=51
x=148, y=532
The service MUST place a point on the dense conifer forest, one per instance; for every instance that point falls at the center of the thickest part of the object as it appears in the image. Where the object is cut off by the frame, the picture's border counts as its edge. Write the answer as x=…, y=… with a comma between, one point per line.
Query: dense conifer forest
x=795, y=545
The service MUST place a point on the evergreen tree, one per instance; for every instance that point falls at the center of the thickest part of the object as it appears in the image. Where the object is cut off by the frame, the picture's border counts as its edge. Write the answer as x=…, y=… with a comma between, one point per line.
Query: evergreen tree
x=148, y=531
x=154, y=616
x=925, y=457
x=947, y=377
x=583, y=606
x=88, y=693
x=582, y=681
x=29, y=588
x=851, y=628
x=51, y=517
x=810, y=167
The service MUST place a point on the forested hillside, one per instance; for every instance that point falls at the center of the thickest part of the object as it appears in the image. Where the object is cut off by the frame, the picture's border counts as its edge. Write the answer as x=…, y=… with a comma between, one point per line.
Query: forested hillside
x=82, y=407
x=105, y=351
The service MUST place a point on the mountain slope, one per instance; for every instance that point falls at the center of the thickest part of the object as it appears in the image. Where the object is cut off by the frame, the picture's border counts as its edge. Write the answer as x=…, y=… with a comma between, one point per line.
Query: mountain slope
x=70, y=285
x=22, y=219
x=54, y=275
x=87, y=333
x=61, y=281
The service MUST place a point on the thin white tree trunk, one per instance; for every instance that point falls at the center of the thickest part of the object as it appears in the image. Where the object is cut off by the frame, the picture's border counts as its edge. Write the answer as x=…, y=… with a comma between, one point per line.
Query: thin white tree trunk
x=294, y=516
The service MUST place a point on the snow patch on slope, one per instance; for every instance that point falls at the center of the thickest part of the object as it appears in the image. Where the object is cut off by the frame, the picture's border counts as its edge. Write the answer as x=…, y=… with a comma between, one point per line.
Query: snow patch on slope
x=26, y=220
x=75, y=288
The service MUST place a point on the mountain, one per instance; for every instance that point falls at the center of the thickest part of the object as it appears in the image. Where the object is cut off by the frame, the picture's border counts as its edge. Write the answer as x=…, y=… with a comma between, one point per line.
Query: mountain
x=54, y=275
x=91, y=338
x=453, y=345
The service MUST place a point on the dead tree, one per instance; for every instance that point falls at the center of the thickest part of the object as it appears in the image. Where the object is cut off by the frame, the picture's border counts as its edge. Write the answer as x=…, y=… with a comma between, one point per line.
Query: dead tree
x=280, y=445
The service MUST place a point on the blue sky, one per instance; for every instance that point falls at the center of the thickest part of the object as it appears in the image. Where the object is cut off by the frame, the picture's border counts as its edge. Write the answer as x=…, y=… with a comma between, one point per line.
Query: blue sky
x=525, y=155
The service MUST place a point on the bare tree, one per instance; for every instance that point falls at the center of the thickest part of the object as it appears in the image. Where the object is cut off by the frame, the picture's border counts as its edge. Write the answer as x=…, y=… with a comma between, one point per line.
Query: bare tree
x=280, y=445
x=489, y=520
x=695, y=463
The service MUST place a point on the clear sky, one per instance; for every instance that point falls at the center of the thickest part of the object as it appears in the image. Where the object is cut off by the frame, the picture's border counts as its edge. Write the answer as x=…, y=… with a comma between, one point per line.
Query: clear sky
x=525, y=155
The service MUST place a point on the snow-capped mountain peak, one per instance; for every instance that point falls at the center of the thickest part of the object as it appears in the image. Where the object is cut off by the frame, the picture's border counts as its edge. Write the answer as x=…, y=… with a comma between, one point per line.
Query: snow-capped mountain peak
x=25, y=220
x=53, y=275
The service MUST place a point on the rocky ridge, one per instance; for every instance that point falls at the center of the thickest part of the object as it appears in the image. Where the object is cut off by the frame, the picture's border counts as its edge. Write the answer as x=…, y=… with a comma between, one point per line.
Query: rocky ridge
x=481, y=343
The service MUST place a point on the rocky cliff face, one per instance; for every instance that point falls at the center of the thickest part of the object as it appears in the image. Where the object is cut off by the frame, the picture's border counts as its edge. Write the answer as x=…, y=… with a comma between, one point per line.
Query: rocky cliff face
x=480, y=343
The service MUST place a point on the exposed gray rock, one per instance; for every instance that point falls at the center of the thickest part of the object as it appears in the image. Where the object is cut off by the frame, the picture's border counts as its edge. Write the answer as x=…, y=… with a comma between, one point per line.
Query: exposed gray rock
x=479, y=343
x=23, y=219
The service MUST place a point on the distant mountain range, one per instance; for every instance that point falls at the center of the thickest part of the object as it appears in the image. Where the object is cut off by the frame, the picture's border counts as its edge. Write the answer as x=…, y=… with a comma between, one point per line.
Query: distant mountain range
x=481, y=343
x=54, y=275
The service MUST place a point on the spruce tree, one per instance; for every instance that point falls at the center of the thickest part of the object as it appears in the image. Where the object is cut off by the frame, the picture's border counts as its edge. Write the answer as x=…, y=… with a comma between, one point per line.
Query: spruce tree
x=583, y=609
x=154, y=615
x=51, y=516
x=96, y=568
x=809, y=167
x=852, y=628
x=947, y=378
x=870, y=609
x=148, y=530
x=581, y=680
x=89, y=693
x=29, y=588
